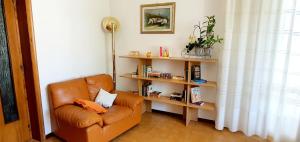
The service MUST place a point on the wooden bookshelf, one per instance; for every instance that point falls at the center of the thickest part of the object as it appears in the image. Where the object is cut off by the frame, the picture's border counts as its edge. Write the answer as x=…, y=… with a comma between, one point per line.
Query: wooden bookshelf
x=189, y=109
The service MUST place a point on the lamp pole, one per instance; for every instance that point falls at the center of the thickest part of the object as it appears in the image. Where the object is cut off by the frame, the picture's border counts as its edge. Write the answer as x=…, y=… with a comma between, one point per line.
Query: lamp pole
x=113, y=54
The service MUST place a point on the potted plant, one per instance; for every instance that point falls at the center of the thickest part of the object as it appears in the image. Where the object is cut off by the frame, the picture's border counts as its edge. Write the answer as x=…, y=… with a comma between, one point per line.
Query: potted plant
x=204, y=43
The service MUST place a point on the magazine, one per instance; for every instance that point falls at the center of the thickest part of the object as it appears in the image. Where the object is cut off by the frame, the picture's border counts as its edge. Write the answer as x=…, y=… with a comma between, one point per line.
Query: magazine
x=196, y=94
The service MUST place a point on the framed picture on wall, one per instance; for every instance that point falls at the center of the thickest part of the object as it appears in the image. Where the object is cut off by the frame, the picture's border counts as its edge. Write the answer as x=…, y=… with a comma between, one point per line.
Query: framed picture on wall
x=158, y=18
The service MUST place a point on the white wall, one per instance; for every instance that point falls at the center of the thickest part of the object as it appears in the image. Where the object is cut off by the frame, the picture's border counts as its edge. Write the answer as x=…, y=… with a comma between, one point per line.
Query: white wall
x=69, y=40
x=188, y=13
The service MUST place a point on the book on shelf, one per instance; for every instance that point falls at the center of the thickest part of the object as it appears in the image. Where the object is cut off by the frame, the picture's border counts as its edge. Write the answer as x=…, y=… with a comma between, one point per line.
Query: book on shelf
x=147, y=69
x=150, y=73
x=199, y=81
x=146, y=89
x=134, y=74
x=149, y=89
x=155, y=94
x=154, y=74
x=176, y=77
x=201, y=103
x=186, y=71
x=176, y=96
x=184, y=95
x=179, y=96
x=196, y=95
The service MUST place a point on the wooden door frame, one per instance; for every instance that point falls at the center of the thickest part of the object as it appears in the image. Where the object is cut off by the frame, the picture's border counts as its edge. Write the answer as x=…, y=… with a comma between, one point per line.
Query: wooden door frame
x=29, y=55
x=17, y=129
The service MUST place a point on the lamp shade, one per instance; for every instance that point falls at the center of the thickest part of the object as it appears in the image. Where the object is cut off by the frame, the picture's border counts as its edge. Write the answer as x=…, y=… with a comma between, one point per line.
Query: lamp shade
x=109, y=22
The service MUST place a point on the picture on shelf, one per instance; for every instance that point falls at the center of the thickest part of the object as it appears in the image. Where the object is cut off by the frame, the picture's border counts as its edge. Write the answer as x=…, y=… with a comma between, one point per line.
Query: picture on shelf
x=196, y=75
x=196, y=72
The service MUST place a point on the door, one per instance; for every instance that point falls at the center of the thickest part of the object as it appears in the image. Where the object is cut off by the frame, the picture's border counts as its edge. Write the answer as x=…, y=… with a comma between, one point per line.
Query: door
x=14, y=116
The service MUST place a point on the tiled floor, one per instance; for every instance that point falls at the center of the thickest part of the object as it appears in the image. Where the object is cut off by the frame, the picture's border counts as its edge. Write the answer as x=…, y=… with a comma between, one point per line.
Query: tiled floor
x=161, y=127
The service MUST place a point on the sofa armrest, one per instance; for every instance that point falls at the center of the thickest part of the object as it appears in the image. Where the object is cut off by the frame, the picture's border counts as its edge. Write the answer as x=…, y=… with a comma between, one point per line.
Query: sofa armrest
x=77, y=117
x=128, y=99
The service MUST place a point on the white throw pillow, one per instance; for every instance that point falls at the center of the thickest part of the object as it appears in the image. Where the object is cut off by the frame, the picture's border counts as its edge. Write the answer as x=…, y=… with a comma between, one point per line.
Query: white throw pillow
x=105, y=98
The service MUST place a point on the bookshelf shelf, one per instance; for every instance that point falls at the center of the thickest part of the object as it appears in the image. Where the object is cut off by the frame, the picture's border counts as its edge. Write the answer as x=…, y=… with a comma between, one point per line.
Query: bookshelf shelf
x=205, y=106
x=155, y=79
x=190, y=111
x=208, y=84
x=172, y=58
x=164, y=99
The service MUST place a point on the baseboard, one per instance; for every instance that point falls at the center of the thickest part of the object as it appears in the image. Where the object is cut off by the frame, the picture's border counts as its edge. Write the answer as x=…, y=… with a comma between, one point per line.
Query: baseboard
x=180, y=116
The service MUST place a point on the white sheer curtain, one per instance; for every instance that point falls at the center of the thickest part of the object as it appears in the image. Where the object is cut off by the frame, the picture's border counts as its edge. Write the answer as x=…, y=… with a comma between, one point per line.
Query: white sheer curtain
x=259, y=82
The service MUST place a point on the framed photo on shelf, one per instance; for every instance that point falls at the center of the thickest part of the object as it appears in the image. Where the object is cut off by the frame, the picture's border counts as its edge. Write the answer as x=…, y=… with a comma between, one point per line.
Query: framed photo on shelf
x=158, y=18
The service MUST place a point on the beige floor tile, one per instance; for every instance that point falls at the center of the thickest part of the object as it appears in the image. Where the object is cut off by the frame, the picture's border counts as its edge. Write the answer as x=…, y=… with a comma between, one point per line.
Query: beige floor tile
x=162, y=127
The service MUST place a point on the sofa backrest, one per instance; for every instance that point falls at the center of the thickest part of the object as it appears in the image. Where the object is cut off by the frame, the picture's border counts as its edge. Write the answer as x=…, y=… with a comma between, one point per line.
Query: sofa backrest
x=97, y=82
x=66, y=92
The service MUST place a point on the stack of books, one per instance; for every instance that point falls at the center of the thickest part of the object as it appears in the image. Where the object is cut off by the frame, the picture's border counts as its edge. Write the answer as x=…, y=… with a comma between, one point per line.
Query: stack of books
x=154, y=94
x=146, y=70
x=179, y=96
x=176, y=96
x=154, y=74
x=147, y=89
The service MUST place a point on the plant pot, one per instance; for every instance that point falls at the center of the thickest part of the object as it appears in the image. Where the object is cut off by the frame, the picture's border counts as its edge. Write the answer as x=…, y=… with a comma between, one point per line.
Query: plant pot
x=203, y=52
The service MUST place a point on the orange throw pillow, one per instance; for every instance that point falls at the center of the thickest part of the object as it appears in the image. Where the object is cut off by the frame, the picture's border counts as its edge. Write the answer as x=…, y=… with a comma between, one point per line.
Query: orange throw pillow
x=90, y=105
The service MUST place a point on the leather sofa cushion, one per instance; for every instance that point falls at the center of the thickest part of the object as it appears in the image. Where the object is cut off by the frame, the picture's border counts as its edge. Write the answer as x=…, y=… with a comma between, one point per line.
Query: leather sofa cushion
x=66, y=92
x=77, y=117
x=127, y=99
x=116, y=113
x=97, y=82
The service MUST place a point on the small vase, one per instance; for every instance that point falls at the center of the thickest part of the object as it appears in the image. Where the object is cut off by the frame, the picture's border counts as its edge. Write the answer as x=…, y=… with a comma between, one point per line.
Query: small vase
x=208, y=52
x=199, y=51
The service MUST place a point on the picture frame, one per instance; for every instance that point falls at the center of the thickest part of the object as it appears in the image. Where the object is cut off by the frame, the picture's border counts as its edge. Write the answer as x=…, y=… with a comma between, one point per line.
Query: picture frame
x=158, y=18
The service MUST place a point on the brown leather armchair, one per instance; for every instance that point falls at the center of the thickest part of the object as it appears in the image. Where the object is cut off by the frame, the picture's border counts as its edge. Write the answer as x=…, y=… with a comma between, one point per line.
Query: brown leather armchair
x=75, y=124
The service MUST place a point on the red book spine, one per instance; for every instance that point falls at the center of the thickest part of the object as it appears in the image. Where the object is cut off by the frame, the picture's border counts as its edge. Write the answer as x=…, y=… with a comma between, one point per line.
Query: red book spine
x=160, y=52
